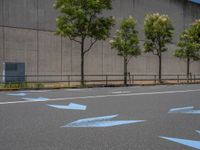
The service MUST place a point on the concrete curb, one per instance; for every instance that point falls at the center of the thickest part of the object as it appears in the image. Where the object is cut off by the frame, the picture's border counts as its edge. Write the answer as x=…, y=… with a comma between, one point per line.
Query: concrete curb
x=92, y=86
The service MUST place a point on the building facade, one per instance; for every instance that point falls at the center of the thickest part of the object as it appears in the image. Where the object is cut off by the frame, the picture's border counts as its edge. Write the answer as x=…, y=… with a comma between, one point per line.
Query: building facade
x=27, y=36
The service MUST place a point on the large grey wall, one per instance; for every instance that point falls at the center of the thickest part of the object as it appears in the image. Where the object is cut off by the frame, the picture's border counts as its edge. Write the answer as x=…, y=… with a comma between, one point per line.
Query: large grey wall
x=27, y=35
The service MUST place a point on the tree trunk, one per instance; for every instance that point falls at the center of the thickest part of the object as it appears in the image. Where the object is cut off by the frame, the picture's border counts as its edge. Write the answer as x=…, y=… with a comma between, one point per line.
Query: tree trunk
x=125, y=71
x=188, y=69
x=82, y=62
x=160, y=68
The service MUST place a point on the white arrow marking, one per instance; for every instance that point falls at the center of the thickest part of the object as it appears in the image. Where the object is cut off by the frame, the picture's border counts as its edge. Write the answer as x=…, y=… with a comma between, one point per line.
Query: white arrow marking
x=72, y=106
x=184, y=110
x=100, y=122
x=189, y=143
x=17, y=94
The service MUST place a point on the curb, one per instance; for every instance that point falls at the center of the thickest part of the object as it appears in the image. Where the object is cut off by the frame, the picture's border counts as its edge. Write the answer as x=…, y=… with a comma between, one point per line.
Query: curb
x=93, y=86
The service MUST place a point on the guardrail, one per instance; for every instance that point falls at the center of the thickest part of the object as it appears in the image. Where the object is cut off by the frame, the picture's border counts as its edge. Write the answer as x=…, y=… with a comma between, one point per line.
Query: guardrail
x=97, y=80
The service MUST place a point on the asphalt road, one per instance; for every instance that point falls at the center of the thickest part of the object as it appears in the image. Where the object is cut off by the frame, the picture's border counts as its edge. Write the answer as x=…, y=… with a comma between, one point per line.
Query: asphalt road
x=33, y=125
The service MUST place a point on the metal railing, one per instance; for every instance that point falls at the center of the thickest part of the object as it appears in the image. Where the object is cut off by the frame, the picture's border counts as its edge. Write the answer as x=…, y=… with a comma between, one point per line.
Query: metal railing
x=99, y=80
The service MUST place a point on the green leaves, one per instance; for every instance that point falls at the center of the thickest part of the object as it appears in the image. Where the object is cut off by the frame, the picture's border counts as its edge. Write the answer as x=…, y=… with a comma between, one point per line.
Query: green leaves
x=82, y=19
x=158, y=32
x=126, y=40
x=189, y=44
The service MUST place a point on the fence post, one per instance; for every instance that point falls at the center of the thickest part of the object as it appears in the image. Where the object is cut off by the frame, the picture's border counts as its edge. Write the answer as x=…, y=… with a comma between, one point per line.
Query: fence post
x=178, y=78
x=129, y=77
x=106, y=80
x=155, y=76
x=68, y=80
x=133, y=78
x=26, y=78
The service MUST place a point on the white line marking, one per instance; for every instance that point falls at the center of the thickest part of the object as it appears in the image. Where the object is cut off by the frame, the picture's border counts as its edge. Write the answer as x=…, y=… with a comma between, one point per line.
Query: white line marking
x=78, y=90
x=35, y=91
x=103, y=96
x=121, y=92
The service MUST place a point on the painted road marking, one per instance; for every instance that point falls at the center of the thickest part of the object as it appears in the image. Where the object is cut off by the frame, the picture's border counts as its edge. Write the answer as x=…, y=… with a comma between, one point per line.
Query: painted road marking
x=97, y=118
x=173, y=110
x=184, y=110
x=104, y=96
x=78, y=90
x=189, y=143
x=39, y=99
x=17, y=94
x=121, y=92
x=100, y=122
x=35, y=91
x=72, y=106
x=192, y=112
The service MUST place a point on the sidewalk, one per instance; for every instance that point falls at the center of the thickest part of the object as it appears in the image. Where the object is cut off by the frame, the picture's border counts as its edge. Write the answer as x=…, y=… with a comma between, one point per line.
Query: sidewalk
x=90, y=84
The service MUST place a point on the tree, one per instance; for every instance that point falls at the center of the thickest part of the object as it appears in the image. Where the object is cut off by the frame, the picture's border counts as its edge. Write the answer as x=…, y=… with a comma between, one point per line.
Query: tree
x=126, y=42
x=158, y=32
x=189, y=45
x=81, y=20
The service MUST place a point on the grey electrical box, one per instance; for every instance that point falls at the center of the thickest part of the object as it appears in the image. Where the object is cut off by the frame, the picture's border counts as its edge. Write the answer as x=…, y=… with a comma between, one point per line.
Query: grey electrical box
x=13, y=72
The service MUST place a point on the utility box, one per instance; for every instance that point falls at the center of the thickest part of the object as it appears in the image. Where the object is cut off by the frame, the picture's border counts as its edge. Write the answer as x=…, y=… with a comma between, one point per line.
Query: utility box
x=13, y=72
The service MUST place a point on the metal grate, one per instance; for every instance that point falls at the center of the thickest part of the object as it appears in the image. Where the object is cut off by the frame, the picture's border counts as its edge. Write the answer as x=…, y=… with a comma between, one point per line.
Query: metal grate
x=11, y=67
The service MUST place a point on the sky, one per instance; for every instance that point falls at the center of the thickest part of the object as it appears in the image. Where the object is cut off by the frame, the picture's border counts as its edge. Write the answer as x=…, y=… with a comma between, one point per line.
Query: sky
x=195, y=1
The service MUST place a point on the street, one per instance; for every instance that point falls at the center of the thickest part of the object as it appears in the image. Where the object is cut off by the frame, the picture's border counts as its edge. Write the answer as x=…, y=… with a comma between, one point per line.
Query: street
x=123, y=118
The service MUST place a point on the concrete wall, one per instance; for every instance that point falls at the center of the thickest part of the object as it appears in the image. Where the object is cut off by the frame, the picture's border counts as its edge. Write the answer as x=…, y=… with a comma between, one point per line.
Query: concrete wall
x=20, y=13
x=26, y=35
x=20, y=46
x=46, y=15
x=1, y=53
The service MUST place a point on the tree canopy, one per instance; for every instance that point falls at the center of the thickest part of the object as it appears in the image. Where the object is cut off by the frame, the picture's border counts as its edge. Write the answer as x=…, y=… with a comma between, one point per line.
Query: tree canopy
x=189, y=44
x=81, y=19
x=126, y=40
x=158, y=32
